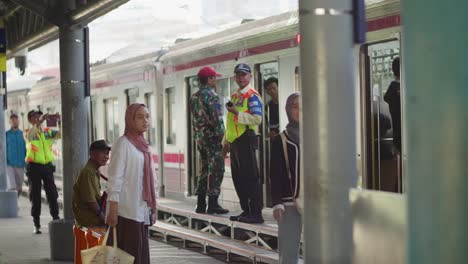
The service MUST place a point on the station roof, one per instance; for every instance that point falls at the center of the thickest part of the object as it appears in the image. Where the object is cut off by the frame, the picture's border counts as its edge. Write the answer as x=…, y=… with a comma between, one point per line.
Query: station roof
x=32, y=23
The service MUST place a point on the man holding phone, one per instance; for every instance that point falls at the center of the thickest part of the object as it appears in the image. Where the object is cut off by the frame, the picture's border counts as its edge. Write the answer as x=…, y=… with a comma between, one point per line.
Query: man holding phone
x=39, y=166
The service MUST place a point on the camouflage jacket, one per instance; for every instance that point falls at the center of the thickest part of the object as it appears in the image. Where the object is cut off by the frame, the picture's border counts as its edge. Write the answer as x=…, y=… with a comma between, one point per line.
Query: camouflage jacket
x=207, y=122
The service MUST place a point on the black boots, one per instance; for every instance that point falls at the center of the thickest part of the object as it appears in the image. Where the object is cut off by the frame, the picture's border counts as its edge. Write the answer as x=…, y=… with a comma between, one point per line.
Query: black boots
x=201, y=204
x=214, y=207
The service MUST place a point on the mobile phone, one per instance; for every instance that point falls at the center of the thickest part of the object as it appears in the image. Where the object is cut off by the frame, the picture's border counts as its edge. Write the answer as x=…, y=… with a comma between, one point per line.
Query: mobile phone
x=52, y=120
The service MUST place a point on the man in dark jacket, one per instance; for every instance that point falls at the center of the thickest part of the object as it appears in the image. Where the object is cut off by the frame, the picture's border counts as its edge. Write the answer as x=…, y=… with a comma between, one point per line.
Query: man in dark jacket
x=392, y=97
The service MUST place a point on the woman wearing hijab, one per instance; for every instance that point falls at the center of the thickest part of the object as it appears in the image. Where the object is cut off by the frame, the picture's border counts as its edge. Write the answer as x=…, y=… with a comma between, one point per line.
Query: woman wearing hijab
x=285, y=184
x=132, y=199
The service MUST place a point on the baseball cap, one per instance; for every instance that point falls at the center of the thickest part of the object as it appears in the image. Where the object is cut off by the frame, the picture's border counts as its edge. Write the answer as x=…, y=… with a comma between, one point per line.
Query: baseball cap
x=13, y=114
x=99, y=145
x=33, y=112
x=242, y=67
x=207, y=71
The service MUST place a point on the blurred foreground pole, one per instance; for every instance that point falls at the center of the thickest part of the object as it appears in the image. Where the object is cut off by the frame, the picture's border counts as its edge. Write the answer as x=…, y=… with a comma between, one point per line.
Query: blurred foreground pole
x=435, y=64
x=8, y=199
x=73, y=68
x=329, y=141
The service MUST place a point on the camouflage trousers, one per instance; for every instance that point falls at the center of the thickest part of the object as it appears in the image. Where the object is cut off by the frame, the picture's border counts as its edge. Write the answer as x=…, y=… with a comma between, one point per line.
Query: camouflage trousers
x=212, y=169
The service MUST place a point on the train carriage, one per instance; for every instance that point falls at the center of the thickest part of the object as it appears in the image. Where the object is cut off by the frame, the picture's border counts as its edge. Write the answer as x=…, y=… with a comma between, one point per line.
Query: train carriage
x=165, y=79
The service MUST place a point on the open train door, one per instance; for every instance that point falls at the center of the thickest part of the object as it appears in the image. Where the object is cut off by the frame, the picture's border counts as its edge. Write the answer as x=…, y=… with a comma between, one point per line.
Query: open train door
x=381, y=167
x=263, y=71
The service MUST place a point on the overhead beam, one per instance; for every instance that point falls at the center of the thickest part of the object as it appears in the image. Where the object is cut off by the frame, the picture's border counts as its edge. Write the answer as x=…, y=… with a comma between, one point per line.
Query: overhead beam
x=88, y=13
x=42, y=10
x=85, y=12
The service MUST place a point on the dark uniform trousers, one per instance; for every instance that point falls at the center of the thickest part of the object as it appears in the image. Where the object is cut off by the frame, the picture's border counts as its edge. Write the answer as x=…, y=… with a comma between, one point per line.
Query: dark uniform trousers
x=245, y=173
x=38, y=173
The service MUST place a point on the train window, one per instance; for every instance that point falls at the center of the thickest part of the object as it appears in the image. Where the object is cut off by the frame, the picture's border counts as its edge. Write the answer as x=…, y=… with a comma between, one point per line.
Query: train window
x=112, y=119
x=132, y=95
x=170, y=116
x=150, y=101
x=233, y=83
x=297, y=79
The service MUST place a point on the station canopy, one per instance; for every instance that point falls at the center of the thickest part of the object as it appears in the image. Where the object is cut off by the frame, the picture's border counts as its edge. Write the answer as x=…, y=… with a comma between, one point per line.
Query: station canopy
x=32, y=23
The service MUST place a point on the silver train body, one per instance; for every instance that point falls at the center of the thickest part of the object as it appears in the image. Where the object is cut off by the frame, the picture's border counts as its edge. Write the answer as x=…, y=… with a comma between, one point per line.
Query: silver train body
x=165, y=79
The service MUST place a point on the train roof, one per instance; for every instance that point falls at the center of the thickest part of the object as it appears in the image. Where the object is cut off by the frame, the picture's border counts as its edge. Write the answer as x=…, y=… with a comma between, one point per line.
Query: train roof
x=264, y=25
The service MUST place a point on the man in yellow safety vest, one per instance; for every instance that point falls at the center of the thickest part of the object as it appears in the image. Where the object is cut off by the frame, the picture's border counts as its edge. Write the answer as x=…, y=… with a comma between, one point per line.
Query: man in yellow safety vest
x=245, y=114
x=39, y=166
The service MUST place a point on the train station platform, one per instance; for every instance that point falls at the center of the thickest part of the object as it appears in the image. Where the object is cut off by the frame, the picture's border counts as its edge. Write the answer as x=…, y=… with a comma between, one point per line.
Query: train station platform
x=18, y=244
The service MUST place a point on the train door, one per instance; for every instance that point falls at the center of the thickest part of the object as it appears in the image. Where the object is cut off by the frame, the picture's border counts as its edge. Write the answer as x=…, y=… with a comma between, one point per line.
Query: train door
x=380, y=162
x=194, y=157
x=263, y=72
x=132, y=95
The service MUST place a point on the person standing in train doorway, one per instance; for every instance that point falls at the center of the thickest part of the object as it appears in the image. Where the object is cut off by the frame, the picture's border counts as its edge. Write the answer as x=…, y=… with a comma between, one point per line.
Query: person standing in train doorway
x=16, y=152
x=271, y=88
x=40, y=168
x=245, y=114
x=393, y=98
x=208, y=130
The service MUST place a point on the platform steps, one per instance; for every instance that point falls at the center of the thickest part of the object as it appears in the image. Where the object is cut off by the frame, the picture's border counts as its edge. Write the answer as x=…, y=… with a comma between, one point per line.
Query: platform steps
x=256, y=242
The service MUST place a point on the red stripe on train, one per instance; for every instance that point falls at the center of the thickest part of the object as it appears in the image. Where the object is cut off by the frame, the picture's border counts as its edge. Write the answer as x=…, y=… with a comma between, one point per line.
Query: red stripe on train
x=372, y=25
x=383, y=22
x=279, y=45
x=170, y=157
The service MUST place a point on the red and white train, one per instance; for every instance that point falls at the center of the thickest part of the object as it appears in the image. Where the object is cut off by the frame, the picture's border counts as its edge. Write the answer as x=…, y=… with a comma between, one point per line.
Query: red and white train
x=165, y=79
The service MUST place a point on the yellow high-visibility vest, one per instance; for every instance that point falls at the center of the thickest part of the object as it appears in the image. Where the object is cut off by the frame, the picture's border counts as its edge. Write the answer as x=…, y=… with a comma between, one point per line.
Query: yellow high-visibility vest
x=39, y=149
x=233, y=128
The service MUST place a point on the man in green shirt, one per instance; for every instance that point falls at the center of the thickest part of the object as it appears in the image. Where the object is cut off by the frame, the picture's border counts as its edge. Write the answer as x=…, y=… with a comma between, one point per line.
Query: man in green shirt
x=87, y=188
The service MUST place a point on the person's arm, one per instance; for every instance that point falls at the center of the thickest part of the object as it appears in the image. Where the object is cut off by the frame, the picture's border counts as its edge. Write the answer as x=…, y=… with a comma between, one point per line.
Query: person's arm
x=256, y=112
x=86, y=192
x=390, y=94
x=277, y=170
x=212, y=108
x=31, y=133
x=57, y=134
x=116, y=174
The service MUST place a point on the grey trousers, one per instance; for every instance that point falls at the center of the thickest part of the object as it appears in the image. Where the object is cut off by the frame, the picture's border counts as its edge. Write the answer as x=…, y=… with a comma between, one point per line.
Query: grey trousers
x=289, y=235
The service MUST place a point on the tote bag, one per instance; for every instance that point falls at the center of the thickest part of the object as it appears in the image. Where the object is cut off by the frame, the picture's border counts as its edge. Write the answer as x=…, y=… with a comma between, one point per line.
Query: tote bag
x=106, y=254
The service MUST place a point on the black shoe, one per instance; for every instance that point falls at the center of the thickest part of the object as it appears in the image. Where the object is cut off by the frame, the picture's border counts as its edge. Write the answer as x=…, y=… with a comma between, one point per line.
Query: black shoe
x=237, y=217
x=214, y=207
x=252, y=219
x=56, y=218
x=201, y=204
x=37, y=230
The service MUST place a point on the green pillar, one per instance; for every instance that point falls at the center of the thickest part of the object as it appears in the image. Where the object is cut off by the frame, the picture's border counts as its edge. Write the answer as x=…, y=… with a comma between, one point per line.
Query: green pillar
x=435, y=141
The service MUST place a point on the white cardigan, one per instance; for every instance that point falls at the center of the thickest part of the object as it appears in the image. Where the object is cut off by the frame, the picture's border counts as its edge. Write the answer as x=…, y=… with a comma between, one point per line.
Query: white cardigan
x=125, y=186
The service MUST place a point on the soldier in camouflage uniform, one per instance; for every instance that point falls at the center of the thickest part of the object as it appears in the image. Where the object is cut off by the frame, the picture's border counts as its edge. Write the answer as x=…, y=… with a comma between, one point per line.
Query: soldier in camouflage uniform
x=209, y=131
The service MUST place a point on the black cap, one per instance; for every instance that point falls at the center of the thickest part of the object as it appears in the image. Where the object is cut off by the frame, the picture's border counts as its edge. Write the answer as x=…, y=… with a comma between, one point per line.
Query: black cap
x=32, y=112
x=99, y=145
x=242, y=67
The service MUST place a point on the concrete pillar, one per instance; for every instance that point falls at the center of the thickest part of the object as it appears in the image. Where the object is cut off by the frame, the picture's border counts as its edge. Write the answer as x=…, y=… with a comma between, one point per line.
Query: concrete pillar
x=8, y=199
x=329, y=147
x=435, y=114
x=75, y=133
